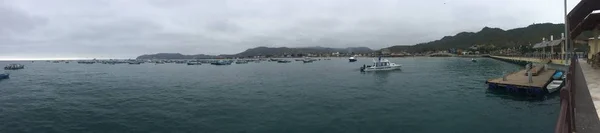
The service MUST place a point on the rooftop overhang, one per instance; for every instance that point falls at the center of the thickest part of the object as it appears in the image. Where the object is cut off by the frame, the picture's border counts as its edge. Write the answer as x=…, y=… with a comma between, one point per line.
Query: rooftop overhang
x=591, y=22
x=580, y=14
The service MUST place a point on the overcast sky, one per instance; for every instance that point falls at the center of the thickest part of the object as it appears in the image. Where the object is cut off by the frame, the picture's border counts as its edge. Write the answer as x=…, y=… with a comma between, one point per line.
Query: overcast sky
x=127, y=28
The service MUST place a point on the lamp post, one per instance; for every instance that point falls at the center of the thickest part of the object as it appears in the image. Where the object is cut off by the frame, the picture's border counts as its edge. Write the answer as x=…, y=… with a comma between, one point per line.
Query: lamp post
x=567, y=37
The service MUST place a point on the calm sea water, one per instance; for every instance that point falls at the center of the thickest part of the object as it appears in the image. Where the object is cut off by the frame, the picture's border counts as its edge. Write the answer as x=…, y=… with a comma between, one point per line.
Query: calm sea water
x=429, y=95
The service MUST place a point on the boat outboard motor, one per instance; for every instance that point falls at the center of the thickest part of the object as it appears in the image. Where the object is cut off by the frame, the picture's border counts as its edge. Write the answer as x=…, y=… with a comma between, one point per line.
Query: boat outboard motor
x=362, y=69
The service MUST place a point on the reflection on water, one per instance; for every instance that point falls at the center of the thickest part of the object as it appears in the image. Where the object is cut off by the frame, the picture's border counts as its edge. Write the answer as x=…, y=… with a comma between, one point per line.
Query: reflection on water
x=323, y=96
x=381, y=77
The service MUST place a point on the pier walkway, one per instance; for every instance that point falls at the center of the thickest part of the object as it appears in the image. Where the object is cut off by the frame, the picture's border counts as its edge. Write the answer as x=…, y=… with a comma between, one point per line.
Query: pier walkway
x=592, y=78
x=580, y=97
x=534, y=60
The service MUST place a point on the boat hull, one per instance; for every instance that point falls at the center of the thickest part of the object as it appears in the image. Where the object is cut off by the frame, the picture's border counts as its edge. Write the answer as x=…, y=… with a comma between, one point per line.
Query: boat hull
x=352, y=60
x=4, y=76
x=386, y=68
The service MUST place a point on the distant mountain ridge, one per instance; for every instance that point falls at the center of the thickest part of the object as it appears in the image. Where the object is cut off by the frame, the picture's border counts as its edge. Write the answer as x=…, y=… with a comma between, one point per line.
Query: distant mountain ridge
x=265, y=51
x=488, y=36
x=174, y=56
x=261, y=51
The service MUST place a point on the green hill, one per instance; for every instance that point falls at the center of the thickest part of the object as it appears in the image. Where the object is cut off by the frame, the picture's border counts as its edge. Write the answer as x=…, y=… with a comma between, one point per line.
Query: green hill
x=258, y=51
x=489, y=36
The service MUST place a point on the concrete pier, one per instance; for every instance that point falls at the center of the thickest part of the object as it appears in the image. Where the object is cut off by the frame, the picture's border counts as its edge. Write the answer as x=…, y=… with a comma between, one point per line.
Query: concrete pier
x=534, y=60
x=592, y=77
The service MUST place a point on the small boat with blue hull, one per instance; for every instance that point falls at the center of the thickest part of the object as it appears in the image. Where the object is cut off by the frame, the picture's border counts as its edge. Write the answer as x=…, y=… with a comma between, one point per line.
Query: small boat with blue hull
x=4, y=76
x=221, y=62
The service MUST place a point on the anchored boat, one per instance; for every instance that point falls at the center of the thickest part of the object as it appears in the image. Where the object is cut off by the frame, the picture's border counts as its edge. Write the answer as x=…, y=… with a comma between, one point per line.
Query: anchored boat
x=221, y=62
x=283, y=61
x=380, y=65
x=352, y=59
x=556, y=83
x=241, y=62
x=194, y=63
x=308, y=60
x=4, y=76
x=86, y=62
x=14, y=67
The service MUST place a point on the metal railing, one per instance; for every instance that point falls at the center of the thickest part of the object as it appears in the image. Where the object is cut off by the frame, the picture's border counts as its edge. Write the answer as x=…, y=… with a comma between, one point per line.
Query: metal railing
x=566, y=118
x=547, y=55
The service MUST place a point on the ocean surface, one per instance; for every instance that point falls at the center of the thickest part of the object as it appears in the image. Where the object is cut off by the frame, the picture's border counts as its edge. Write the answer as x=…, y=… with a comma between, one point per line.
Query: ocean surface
x=429, y=95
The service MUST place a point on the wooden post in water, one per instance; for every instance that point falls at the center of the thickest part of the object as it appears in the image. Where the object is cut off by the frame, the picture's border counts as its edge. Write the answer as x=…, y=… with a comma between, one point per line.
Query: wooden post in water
x=529, y=75
x=503, y=75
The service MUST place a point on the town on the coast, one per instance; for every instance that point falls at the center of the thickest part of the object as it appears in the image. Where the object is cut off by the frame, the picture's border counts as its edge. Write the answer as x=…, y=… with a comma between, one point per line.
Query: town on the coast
x=555, y=59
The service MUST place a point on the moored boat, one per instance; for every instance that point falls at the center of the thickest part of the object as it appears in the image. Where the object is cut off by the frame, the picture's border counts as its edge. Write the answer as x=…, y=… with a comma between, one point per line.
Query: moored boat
x=86, y=62
x=352, y=59
x=4, y=75
x=241, y=62
x=308, y=60
x=194, y=63
x=135, y=62
x=14, y=67
x=283, y=61
x=473, y=60
x=221, y=62
x=556, y=83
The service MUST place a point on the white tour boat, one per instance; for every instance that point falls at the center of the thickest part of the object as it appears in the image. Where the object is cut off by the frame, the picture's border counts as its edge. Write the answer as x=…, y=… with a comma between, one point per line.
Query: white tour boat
x=381, y=65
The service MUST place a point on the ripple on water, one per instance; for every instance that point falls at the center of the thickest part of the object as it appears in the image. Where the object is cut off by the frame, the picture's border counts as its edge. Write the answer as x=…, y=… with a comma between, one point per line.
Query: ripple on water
x=325, y=96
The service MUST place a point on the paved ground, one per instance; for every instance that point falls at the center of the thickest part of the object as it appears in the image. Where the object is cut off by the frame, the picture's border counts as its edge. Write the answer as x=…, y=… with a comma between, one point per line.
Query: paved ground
x=587, y=99
x=592, y=77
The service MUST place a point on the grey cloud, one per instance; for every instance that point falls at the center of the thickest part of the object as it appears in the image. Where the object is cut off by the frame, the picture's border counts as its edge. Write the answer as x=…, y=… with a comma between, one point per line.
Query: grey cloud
x=15, y=21
x=222, y=26
x=126, y=28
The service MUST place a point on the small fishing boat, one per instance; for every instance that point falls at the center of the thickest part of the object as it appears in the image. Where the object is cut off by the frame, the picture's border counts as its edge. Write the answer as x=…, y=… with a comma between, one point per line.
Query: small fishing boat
x=556, y=83
x=221, y=62
x=352, y=59
x=283, y=61
x=194, y=63
x=473, y=60
x=308, y=60
x=14, y=67
x=135, y=63
x=86, y=62
x=241, y=62
x=299, y=59
x=4, y=75
x=380, y=65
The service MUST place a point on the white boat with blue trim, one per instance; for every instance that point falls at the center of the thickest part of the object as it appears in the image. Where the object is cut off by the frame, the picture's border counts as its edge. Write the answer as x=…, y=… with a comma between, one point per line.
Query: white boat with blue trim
x=381, y=65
